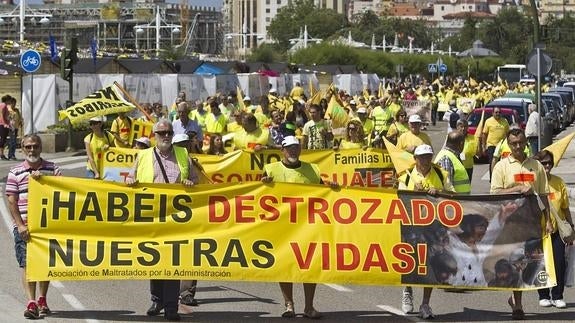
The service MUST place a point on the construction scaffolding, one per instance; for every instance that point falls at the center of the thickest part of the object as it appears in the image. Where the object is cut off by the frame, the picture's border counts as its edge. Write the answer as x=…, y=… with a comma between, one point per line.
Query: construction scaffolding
x=112, y=26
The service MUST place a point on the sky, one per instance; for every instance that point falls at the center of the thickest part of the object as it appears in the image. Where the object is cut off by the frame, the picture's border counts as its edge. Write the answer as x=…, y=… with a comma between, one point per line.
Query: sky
x=214, y=3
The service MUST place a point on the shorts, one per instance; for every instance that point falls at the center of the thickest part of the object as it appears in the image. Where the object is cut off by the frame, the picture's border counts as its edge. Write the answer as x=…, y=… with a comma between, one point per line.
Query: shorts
x=20, y=249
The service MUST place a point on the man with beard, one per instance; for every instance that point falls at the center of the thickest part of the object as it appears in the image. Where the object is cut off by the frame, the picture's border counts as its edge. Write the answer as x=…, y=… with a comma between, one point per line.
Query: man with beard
x=17, y=192
x=164, y=163
x=292, y=170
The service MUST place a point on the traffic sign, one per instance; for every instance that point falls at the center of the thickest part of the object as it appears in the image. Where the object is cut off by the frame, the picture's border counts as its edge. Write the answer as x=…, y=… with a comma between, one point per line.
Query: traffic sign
x=442, y=68
x=30, y=61
x=432, y=68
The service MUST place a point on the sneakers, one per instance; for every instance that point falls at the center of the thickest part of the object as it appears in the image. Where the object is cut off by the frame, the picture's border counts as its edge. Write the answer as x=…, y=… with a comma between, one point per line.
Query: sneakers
x=545, y=303
x=43, y=306
x=31, y=311
x=425, y=312
x=559, y=303
x=407, y=300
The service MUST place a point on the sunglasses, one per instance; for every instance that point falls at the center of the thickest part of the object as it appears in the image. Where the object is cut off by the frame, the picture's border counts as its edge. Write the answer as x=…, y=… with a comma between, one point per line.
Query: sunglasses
x=547, y=162
x=94, y=122
x=29, y=147
x=164, y=133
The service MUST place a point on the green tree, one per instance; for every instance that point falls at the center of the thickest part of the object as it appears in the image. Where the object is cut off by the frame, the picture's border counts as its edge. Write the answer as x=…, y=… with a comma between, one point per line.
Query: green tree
x=291, y=19
x=507, y=33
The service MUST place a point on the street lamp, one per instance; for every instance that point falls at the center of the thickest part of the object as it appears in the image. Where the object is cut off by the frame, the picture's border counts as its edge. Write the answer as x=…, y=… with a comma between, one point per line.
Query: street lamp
x=175, y=31
x=138, y=31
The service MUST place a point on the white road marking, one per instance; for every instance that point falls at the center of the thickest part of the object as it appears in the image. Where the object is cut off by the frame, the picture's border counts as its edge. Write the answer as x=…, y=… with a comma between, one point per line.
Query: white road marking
x=77, y=305
x=67, y=159
x=74, y=166
x=71, y=299
x=339, y=288
x=398, y=312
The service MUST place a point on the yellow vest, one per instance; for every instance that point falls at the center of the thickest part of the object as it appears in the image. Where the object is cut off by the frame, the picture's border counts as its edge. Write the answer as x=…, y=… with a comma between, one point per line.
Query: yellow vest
x=460, y=178
x=145, y=170
x=381, y=118
x=307, y=173
x=435, y=178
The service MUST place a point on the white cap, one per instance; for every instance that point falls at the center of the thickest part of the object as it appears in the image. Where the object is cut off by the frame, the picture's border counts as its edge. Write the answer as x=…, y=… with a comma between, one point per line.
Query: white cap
x=98, y=119
x=414, y=118
x=247, y=98
x=423, y=150
x=361, y=110
x=352, y=102
x=290, y=141
x=273, y=90
x=144, y=140
x=181, y=137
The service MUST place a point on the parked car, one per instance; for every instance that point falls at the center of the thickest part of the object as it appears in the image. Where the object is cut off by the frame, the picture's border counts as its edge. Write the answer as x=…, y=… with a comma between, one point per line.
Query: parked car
x=568, y=94
x=518, y=104
x=474, y=118
x=550, y=111
x=557, y=98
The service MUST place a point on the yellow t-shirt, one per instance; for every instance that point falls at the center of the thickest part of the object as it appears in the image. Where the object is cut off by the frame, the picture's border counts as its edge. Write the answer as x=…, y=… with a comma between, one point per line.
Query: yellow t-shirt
x=122, y=127
x=558, y=197
x=97, y=144
x=244, y=140
x=509, y=172
x=216, y=124
x=469, y=149
x=495, y=130
x=408, y=139
x=344, y=144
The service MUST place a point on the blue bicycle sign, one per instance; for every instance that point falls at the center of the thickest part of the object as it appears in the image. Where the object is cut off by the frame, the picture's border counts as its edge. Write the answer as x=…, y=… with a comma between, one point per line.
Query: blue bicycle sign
x=30, y=61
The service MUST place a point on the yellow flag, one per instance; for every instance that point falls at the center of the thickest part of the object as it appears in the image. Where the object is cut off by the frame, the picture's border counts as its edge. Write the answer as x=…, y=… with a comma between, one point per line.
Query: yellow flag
x=336, y=113
x=473, y=82
x=479, y=128
x=315, y=98
x=558, y=148
x=380, y=90
x=312, y=90
x=365, y=93
x=240, y=98
x=401, y=159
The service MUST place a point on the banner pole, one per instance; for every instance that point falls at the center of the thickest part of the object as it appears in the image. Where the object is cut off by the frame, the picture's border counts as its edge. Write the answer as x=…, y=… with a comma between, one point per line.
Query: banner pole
x=131, y=99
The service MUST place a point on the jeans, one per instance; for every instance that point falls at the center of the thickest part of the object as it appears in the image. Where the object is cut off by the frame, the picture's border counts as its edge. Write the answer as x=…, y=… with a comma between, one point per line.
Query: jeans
x=12, y=143
x=533, y=144
x=560, y=269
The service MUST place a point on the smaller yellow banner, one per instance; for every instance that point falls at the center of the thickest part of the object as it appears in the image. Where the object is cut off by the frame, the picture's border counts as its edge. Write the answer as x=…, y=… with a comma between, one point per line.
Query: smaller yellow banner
x=102, y=102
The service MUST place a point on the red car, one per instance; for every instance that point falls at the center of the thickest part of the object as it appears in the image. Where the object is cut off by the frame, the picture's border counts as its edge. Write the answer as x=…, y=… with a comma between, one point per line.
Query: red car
x=511, y=115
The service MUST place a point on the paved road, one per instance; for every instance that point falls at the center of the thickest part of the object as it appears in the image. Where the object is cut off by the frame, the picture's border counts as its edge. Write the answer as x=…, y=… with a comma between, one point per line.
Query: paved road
x=127, y=301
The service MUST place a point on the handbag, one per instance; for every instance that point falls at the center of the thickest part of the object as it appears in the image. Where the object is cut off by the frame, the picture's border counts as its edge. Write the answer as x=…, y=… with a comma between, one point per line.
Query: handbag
x=563, y=226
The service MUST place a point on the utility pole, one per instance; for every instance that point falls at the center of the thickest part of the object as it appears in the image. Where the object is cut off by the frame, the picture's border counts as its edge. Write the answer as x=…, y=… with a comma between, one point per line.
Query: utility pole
x=67, y=61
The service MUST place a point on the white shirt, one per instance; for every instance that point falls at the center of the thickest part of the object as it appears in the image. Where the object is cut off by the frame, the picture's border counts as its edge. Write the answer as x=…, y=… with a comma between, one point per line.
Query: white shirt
x=532, y=127
x=470, y=263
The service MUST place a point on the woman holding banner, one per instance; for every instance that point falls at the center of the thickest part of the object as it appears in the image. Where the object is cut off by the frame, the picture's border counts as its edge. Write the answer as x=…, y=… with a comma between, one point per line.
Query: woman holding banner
x=559, y=201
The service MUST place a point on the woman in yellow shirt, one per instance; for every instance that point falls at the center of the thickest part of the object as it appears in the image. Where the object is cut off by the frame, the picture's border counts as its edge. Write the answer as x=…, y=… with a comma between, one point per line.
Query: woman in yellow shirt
x=354, y=136
x=398, y=127
x=559, y=202
x=96, y=142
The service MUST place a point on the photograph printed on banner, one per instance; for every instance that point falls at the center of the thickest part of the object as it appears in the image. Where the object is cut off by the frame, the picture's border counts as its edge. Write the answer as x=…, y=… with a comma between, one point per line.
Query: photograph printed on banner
x=496, y=244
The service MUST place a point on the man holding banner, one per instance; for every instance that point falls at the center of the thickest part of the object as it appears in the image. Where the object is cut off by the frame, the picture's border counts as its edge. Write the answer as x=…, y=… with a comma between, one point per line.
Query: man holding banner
x=425, y=176
x=164, y=163
x=17, y=191
x=292, y=170
x=519, y=173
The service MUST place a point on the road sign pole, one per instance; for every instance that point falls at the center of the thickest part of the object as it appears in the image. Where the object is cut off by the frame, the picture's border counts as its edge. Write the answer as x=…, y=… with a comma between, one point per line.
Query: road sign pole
x=540, y=124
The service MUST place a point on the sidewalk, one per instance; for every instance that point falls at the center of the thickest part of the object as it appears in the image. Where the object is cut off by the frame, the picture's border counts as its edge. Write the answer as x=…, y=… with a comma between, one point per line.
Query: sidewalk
x=566, y=167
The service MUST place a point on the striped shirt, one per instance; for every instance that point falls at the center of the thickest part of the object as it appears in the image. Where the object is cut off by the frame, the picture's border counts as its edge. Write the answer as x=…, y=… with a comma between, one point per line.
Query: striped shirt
x=17, y=183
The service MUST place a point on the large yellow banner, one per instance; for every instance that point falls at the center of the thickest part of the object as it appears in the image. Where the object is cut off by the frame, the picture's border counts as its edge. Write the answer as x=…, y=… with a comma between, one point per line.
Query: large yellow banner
x=84, y=229
x=353, y=167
